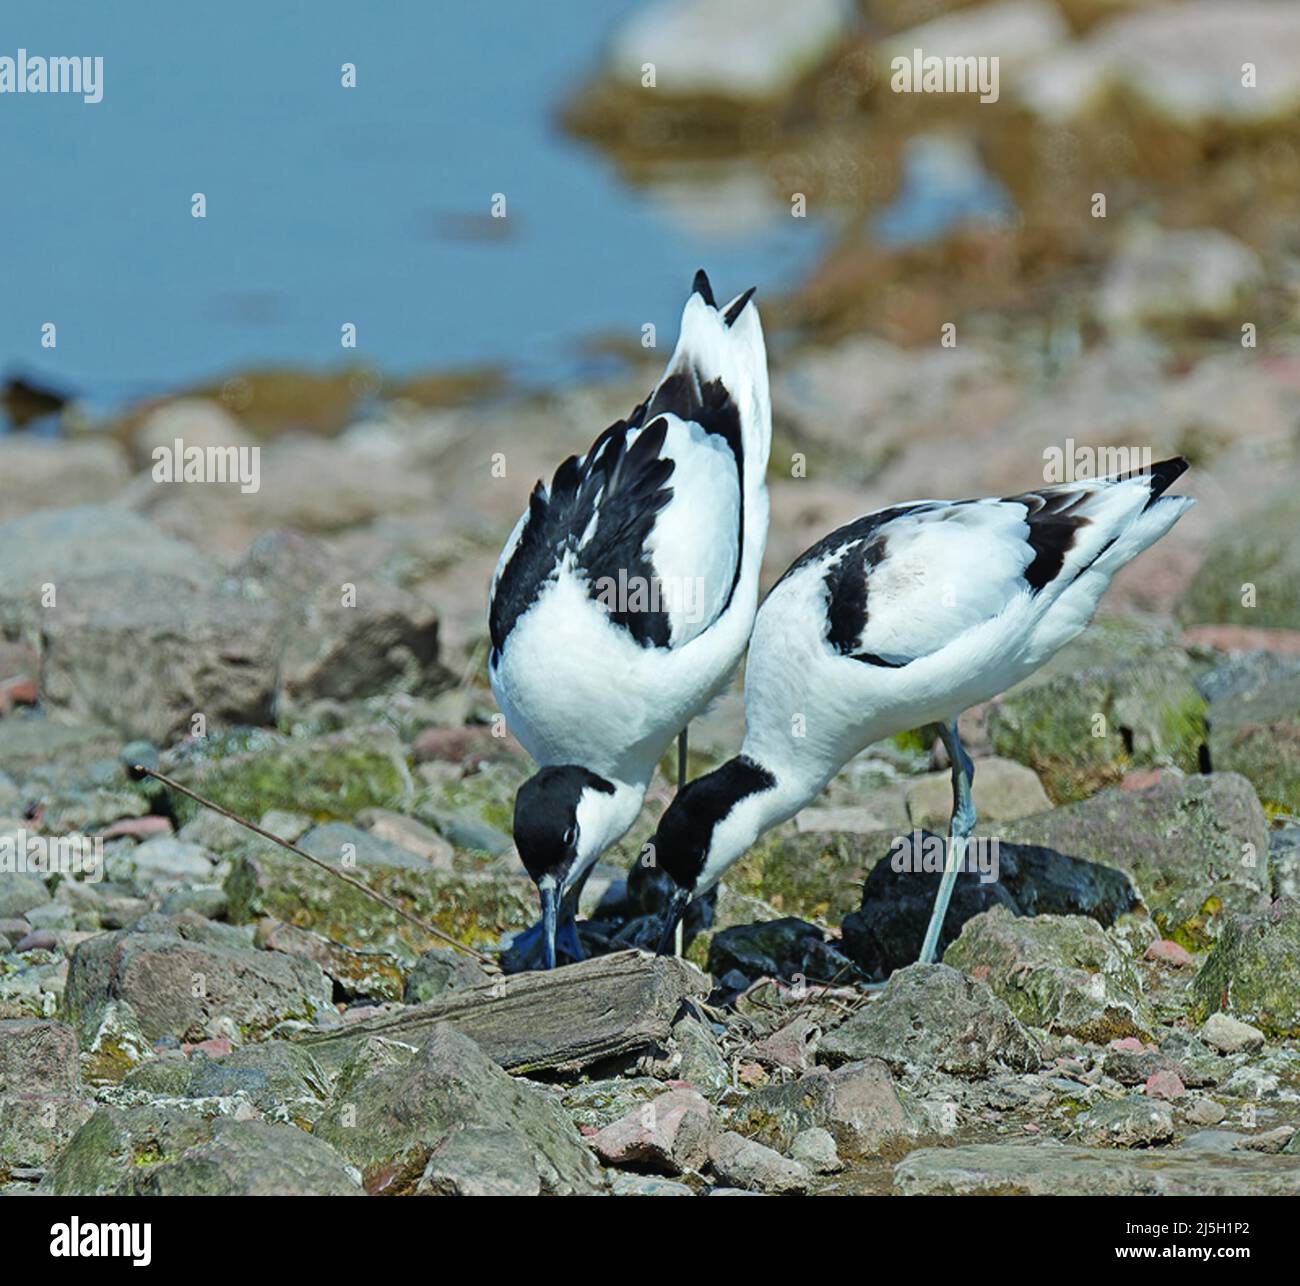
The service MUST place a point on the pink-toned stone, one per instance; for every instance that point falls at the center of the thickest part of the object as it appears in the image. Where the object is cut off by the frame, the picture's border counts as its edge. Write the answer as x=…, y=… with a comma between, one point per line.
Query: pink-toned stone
x=1128, y=1045
x=670, y=1133
x=1142, y=779
x=1165, y=1084
x=1168, y=952
x=1243, y=638
x=218, y=1047
x=790, y=1046
x=139, y=827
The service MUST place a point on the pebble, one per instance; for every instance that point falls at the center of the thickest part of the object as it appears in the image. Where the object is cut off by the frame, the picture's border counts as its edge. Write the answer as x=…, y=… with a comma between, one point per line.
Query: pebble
x=1205, y=1111
x=1230, y=1035
x=1165, y=1084
x=1170, y=953
x=815, y=1148
x=37, y=940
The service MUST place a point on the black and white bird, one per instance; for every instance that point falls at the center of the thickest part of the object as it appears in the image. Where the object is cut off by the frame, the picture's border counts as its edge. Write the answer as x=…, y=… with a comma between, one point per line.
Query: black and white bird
x=904, y=618
x=625, y=596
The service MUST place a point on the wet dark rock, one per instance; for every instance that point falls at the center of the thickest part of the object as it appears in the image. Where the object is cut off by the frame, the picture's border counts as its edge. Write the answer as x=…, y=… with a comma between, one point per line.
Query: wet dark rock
x=934, y=1017
x=789, y=949
x=887, y=932
x=393, y=1108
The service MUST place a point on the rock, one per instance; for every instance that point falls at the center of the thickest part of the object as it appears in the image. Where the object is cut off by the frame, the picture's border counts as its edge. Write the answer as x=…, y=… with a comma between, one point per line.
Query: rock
x=393, y=1109
x=481, y=1162
x=331, y=776
x=933, y=1017
x=1058, y=972
x=739, y=1162
x=14, y=929
x=339, y=643
x=1251, y=575
x=1053, y=1169
x=1205, y=1111
x=1140, y=684
x=647, y=1185
x=1284, y=862
x=725, y=47
x=83, y=544
x=1166, y=952
x=1136, y=1066
x=1004, y=790
x=703, y=1064
x=592, y=1105
x=814, y=1148
x=157, y=965
x=1165, y=1084
x=1174, y=275
x=157, y=1151
x=56, y=474
x=1257, y=733
x=471, y=907
x=408, y=833
x=1171, y=62
x=20, y=893
x=440, y=970
x=1021, y=33
x=1194, y=848
x=887, y=932
x=35, y=1126
x=857, y=1104
x=1254, y=971
x=671, y=1134
x=144, y=653
x=37, y=1057
x=789, y=948
x=281, y=1079
x=1228, y=1036
x=1133, y=1122
x=560, y=1020
x=792, y=1045
x=374, y=975
x=164, y=861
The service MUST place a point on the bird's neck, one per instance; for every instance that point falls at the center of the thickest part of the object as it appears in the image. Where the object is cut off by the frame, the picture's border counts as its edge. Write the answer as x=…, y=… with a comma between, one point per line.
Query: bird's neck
x=754, y=811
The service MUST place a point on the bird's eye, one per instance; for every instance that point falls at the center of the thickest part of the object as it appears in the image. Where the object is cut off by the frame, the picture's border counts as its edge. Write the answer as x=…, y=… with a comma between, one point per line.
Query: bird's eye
x=570, y=837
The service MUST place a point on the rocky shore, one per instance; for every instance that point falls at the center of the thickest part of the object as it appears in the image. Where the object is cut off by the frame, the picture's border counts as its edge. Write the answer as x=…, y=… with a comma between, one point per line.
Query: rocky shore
x=1117, y=1012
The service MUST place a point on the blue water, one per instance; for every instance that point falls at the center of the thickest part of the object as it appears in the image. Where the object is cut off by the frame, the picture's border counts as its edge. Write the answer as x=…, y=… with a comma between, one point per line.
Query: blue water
x=325, y=205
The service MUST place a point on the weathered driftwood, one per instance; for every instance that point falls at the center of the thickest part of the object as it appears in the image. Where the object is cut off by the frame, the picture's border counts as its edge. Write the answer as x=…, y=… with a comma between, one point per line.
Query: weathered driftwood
x=564, y=1019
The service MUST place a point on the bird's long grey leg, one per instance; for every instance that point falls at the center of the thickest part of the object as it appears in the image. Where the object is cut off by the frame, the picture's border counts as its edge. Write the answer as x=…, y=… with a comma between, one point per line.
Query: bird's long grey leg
x=678, y=938
x=963, y=822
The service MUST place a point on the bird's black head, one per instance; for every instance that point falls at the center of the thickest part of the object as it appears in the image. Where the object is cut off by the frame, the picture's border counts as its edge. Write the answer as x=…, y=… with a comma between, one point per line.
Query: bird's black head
x=547, y=827
x=686, y=844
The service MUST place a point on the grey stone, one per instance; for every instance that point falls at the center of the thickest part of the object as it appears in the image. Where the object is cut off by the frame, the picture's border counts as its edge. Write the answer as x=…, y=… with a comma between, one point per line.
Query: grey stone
x=743, y=1163
x=934, y=1017
x=1133, y=1122
x=392, y=1108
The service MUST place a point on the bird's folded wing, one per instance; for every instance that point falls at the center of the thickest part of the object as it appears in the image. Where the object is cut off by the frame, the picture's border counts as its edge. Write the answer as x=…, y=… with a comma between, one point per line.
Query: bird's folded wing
x=909, y=581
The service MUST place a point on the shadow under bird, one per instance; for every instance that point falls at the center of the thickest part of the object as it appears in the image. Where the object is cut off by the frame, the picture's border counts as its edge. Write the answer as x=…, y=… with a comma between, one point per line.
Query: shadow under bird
x=624, y=598
x=903, y=618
